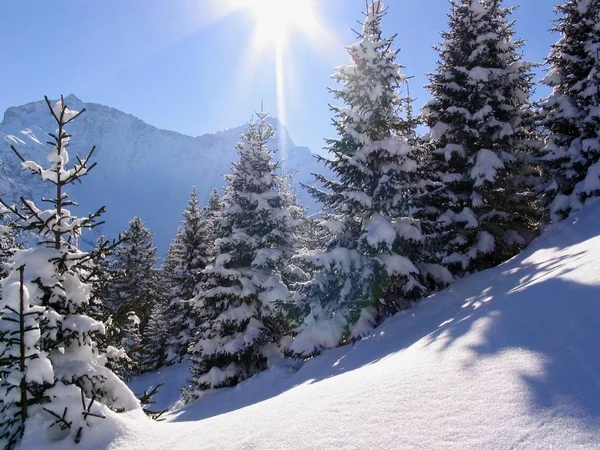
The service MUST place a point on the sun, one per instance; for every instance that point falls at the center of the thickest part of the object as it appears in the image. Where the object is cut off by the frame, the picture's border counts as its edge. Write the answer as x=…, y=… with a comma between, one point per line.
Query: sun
x=275, y=20
x=276, y=26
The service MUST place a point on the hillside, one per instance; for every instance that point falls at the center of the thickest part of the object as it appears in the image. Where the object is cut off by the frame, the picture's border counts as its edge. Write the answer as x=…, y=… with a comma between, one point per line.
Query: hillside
x=141, y=170
x=507, y=358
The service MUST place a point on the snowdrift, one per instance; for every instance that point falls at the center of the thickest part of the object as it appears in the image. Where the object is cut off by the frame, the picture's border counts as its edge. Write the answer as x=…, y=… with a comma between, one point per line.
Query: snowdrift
x=507, y=358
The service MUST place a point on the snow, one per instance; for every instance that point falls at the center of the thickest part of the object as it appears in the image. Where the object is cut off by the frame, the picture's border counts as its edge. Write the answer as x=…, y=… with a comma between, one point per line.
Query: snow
x=449, y=149
x=502, y=359
x=437, y=272
x=591, y=183
x=318, y=334
x=380, y=232
x=486, y=167
x=174, y=377
x=396, y=264
x=485, y=243
x=466, y=217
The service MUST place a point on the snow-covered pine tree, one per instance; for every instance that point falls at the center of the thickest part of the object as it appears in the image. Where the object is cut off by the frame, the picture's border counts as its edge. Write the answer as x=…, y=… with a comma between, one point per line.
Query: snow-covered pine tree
x=8, y=244
x=152, y=348
x=299, y=221
x=571, y=114
x=135, y=285
x=51, y=300
x=25, y=370
x=303, y=237
x=188, y=257
x=135, y=290
x=364, y=270
x=240, y=327
x=212, y=215
x=482, y=142
x=100, y=278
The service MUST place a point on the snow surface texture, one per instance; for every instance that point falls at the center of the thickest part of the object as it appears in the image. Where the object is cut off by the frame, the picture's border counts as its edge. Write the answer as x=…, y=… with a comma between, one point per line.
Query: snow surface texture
x=507, y=358
x=132, y=156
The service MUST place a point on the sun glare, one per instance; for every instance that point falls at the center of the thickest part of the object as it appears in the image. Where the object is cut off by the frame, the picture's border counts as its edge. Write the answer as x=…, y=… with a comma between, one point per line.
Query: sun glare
x=277, y=19
x=275, y=23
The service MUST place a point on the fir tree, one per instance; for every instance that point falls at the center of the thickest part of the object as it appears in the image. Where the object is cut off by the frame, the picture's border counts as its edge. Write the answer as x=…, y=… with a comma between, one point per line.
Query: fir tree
x=240, y=327
x=101, y=277
x=134, y=292
x=8, y=242
x=482, y=141
x=364, y=270
x=212, y=215
x=188, y=256
x=153, y=344
x=135, y=285
x=299, y=221
x=25, y=370
x=570, y=114
x=46, y=310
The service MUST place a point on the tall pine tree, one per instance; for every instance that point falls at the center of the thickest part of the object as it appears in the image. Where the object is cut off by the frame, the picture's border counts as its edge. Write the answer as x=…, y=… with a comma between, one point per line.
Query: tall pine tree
x=212, y=215
x=240, y=328
x=571, y=113
x=482, y=142
x=48, y=337
x=134, y=292
x=364, y=270
x=188, y=256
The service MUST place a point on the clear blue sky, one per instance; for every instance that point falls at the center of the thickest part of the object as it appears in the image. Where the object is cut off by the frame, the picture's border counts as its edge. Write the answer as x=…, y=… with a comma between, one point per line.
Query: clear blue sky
x=170, y=64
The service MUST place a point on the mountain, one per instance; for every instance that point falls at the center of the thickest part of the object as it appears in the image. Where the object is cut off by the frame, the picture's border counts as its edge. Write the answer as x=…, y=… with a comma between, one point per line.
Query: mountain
x=142, y=170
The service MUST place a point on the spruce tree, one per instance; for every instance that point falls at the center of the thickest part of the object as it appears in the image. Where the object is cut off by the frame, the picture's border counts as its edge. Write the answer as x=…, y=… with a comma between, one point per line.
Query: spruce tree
x=134, y=292
x=152, y=349
x=570, y=113
x=135, y=285
x=482, y=143
x=101, y=277
x=212, y=215
x=240, y=327
x=188, y=256
x=25, y=370
x=48, y=337
x=8, y=242
x=364, y=270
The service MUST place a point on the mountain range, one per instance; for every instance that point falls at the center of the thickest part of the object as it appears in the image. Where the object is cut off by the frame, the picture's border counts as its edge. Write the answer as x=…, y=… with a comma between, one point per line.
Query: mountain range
x=142, y=170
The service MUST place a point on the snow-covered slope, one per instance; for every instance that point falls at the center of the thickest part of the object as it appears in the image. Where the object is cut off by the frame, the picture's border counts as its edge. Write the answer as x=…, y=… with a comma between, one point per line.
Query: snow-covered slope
x=141, y=170
x=508, y=358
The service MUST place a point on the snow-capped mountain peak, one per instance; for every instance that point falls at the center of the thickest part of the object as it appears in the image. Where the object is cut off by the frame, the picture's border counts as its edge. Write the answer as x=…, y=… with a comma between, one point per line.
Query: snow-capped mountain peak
x=142, y=170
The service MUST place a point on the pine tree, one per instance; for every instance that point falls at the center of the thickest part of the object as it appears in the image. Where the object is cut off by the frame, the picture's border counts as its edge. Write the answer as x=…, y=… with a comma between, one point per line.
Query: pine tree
x=364, y=271
x=188, y=256
x=100, y=278
x=482, y=142
x=299, y=221
x=8, y=242
x=25, y=370
x=238, y=304
x=135, y=286
x=570, y=113
x=61, y=372
x=212, y=215
x=134, y=292
x=153, y=345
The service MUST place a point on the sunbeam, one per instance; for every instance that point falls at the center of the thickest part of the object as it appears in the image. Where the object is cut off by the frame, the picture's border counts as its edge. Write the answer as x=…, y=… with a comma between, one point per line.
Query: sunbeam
x=275, y=23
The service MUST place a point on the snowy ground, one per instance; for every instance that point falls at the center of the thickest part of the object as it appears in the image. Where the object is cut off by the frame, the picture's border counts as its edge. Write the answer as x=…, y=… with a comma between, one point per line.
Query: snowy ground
x=508, y=358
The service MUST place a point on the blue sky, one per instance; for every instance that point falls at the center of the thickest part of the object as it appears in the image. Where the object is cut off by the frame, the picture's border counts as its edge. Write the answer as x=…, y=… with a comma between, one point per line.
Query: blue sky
x=175, y=66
